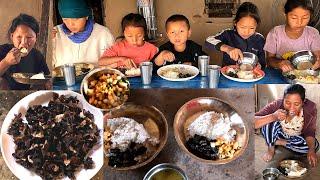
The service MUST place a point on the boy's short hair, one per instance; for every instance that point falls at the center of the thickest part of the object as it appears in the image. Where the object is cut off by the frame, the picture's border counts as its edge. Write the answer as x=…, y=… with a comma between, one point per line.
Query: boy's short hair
x=177, y=17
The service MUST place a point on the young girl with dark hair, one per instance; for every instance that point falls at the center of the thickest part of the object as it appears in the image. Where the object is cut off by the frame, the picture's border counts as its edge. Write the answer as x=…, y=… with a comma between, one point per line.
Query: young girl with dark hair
x=133, y=49
x=282, y=41
x=243, y=37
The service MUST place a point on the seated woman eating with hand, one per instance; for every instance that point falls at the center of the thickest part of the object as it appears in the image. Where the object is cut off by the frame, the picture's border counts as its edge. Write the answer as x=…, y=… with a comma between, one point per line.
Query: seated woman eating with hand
x=20, y=56
x=290, y=122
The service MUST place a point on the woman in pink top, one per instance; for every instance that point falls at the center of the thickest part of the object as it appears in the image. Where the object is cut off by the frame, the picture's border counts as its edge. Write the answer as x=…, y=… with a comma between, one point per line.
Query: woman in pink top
x=294, y=36
x=133, y=49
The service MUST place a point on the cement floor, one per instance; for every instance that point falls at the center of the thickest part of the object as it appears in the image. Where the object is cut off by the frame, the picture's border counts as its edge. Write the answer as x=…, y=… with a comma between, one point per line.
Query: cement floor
x=281, y=154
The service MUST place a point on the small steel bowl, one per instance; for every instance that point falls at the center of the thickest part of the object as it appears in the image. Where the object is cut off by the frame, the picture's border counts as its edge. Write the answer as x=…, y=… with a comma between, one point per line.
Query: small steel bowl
x=302, y=60
x=270, y=174
x=96, y=73
x=163, y=167
x=249, y=61
x=192, y=109
x=153, y=121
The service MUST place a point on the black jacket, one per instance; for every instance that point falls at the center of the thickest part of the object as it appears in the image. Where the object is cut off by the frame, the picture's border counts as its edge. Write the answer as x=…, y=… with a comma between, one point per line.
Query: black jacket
x=230, y=37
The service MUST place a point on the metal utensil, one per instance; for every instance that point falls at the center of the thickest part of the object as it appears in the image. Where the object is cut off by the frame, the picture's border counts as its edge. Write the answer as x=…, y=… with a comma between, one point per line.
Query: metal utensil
x=153, y=121
x=146, y=72
x=303, y=60
x=271, y=173
x=163, y=167
x=186, y=114
x=248, y=62
x=69, y=73
x=214, y=75
x=203, y=63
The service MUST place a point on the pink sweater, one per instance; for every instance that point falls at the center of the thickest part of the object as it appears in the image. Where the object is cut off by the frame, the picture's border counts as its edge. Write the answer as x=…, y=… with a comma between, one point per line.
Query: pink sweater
x=138, y=54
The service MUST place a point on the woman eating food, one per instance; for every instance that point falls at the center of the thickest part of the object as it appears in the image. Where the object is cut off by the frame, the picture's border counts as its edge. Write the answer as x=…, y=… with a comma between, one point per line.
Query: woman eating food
x=20, y=55
x=290, y=122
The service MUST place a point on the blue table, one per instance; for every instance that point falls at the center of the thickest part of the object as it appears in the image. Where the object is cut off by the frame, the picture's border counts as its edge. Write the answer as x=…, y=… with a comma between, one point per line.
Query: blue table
x=272, y=76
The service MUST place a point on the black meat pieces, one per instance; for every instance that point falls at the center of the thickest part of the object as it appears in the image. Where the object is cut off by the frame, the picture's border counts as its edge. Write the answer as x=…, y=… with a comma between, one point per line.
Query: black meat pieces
x=55, y=140
x=232, y=74
x=126, y=158
x=181, y=75
x=200, y=146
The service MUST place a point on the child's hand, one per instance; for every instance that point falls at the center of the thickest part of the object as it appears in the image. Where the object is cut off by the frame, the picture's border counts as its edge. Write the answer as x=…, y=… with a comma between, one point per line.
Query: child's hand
x=234, y=53
x=285, y=66
x=127, y=63
x=13, y=57
x=167, y=56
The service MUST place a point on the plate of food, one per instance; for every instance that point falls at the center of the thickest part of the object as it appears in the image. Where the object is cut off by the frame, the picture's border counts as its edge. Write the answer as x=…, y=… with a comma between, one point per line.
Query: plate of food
x=292, y=168
x=31, y=78
x=234, y=73
x=81, y=70
x=178, y=72
x=210, y=131
x=302, y=76
x=133, y=136
x=53, y=135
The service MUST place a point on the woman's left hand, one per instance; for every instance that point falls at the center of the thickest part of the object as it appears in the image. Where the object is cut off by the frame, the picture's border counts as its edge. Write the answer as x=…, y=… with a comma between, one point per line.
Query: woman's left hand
x=312, y=158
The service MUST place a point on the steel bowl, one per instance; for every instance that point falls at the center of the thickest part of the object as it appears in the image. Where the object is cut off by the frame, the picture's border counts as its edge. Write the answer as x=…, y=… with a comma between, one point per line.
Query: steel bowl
x=288, y=163
x=302, y=60
x=270, y=173
x=249, y=61
x=94, y=74
x=153, y=121
x=164, y=167
x=195, y=107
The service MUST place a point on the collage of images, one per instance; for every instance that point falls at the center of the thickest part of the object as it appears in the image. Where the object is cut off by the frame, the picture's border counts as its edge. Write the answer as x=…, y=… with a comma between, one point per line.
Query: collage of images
x=159, y=90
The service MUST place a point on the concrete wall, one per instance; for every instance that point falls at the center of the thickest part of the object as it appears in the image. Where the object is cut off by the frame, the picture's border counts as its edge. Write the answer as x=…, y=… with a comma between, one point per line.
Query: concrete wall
x=202, y=27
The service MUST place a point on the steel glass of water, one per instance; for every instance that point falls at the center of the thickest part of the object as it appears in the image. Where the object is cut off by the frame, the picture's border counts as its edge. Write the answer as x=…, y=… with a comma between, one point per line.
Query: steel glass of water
x=214, y=74
x=146, y=72
x=203, y=63
x=69, y=73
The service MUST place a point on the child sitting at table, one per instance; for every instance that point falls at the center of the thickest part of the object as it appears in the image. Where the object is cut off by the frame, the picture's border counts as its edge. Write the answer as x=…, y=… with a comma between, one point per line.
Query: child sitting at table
x=178, y=50
x=293, y=36
x=133, y=49
x=243, y=37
